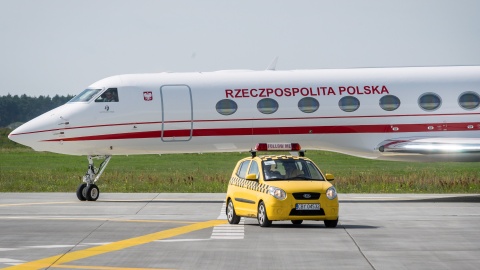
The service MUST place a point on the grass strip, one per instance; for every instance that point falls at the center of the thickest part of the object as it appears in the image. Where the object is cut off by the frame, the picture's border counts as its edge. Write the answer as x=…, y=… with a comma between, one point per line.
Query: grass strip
x=23, y=170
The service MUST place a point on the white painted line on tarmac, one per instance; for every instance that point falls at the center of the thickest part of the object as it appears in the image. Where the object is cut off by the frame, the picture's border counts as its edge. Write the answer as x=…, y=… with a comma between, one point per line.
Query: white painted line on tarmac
x=9, y=261
x=228, y=231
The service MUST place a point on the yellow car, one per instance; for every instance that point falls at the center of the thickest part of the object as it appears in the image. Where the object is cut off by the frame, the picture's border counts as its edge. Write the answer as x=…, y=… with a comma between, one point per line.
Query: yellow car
x=281, y=187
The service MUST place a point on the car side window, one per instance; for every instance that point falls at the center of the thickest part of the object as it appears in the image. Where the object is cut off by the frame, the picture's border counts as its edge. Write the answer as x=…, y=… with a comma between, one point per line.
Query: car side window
x=314, y=173
x=242, y=170
x=254, y=169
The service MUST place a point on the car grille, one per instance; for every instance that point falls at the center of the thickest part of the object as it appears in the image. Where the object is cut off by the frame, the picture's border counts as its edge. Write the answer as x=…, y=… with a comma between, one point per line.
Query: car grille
x=305, y=195
x=295, y=212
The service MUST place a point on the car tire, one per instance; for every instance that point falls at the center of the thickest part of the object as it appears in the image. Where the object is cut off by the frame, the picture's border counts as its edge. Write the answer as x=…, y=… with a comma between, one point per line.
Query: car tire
x=296, y=222
x=331, y=223
x=231, y=215
x=262, y=217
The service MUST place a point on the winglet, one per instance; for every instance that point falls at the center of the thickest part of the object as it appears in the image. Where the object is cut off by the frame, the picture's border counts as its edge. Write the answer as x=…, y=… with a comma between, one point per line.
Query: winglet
x=273, y=65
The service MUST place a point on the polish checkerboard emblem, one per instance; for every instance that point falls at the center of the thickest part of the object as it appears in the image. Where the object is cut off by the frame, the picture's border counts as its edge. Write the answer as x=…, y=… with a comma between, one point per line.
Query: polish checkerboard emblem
x=147, y=95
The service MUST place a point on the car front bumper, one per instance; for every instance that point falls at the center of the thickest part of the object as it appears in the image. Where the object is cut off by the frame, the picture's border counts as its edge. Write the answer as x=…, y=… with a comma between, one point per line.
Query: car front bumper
x=286, y=209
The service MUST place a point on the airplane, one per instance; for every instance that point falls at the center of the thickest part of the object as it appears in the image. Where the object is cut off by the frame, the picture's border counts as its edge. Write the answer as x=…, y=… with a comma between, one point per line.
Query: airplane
x=401, y=113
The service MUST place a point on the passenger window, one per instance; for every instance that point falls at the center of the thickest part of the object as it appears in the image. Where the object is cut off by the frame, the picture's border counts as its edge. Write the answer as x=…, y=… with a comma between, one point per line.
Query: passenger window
x=110, y=95
x=242, y=170
x=429, y=101
x=226, y=107
x=469, y=100
x=308, y=105
x=267, y=106
x=254, y=169
x=349, y=104
x=389, y=103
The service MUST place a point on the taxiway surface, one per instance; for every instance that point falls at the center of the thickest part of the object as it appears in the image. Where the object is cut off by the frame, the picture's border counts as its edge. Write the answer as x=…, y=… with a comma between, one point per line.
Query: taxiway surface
x=189, y=231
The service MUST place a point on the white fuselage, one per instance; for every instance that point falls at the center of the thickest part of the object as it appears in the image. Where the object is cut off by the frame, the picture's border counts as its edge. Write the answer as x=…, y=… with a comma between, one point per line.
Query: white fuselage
x=336, y=110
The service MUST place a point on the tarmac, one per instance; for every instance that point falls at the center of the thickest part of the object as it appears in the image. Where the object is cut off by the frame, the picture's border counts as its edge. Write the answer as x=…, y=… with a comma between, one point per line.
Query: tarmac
x=189, y=231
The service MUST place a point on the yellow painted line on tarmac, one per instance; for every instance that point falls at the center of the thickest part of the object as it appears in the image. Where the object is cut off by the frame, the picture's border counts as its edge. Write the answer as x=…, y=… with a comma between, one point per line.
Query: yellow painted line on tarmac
x=68, y=266
x=28, y=204
x=58, y=260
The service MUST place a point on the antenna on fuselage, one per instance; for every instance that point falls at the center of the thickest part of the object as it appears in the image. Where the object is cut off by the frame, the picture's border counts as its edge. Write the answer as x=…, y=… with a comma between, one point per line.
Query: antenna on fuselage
x=273, y=65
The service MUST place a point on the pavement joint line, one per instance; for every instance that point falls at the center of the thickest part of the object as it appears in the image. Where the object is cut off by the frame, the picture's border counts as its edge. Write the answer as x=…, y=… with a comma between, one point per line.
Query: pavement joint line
x=358, y=247
x=61, y=259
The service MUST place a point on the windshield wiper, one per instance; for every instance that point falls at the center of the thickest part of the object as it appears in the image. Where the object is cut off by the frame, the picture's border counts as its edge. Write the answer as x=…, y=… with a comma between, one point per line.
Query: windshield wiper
x=275, y=178
x=301, y=177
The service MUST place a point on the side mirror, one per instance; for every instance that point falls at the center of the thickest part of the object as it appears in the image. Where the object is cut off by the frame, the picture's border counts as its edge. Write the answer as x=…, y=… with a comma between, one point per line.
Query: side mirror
x=252, y=177
x=329, y=177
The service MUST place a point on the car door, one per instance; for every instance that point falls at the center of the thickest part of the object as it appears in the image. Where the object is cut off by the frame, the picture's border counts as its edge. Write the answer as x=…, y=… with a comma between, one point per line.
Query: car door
x=241, y=195
x=251, y=186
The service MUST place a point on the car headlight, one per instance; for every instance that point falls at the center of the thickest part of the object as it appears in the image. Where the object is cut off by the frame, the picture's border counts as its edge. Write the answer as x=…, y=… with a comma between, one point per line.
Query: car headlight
x=331, y=193
x=277, y=193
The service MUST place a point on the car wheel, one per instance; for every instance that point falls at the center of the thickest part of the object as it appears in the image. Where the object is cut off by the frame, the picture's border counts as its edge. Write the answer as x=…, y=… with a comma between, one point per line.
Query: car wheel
x=262, y=217
x=231, y=215
x=331, y=223
x=296, y=222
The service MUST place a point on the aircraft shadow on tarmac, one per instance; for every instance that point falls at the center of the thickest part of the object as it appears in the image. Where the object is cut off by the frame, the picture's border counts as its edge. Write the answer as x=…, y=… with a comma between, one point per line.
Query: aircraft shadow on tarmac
x=453, y=199
x=158, y=201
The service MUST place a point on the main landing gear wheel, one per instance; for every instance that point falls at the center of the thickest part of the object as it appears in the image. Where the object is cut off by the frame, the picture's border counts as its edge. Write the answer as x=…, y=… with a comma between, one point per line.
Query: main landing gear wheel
x=81, y=192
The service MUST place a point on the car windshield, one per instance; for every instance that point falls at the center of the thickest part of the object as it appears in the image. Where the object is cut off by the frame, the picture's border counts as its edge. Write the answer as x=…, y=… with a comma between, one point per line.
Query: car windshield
x=290, y=169
x=86, y=95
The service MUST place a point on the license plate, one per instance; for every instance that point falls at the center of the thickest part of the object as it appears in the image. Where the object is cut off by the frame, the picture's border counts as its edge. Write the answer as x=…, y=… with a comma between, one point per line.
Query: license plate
x=307, y=206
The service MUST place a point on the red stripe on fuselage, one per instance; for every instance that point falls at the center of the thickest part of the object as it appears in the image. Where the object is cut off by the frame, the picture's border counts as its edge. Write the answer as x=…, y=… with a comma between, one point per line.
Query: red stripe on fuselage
x=246, y=119
x=300, y=130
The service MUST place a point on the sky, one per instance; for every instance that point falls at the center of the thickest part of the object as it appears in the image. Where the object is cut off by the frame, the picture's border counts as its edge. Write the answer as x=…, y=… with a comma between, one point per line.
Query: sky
x=60, y=47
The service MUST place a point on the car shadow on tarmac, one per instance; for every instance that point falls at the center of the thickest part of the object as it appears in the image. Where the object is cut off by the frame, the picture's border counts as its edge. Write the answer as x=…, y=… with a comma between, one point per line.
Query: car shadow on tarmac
x=315, y=226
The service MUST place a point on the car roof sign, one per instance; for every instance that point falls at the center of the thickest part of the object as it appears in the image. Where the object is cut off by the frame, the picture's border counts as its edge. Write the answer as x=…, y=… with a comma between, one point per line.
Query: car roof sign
x=278, y=147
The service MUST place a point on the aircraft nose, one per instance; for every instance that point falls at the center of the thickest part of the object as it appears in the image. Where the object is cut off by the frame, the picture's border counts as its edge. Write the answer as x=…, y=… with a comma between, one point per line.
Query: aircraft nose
x=33, y=132
x=22, y=135
x=11, y=137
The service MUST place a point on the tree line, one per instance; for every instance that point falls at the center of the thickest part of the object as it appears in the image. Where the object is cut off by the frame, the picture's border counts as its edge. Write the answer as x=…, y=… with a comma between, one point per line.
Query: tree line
x=23, y=108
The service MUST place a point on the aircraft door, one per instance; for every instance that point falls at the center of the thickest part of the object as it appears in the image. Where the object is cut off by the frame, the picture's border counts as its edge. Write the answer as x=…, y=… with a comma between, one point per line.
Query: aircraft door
x=177, y=113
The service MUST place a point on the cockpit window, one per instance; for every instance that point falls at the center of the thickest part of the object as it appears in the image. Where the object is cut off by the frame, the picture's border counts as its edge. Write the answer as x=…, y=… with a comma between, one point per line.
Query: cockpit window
x=110, y=95
x=86, y=95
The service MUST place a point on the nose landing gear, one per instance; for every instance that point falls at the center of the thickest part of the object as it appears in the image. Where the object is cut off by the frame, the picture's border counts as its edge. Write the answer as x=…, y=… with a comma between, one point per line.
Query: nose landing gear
x=88, y=191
